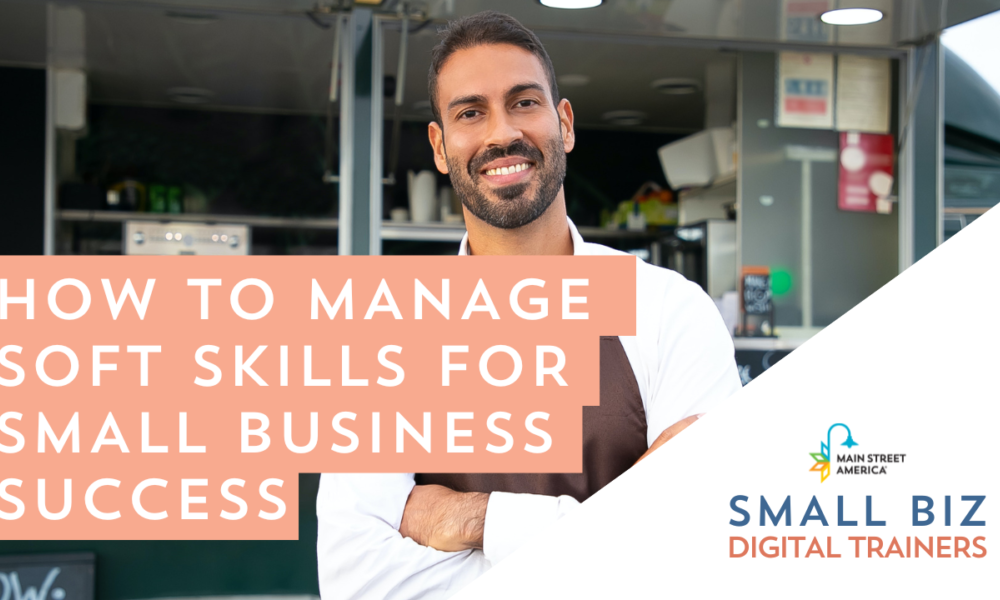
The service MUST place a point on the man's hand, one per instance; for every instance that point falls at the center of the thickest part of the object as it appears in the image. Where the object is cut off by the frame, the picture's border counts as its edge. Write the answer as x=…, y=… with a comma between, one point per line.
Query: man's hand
x=669, y=433
x=443, y=519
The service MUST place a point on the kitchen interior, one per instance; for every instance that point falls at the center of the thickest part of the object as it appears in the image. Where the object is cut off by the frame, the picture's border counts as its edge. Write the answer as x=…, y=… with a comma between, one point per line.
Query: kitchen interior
x=714, y=137
x=220, y=129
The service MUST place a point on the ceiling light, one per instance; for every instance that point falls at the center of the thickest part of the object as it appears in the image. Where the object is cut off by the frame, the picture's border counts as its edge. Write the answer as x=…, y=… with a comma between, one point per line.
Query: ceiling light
x=851, y=16
x=674, y=86
x=571, y=4
x=625, y=118
x=190, y=95
x=573, y=80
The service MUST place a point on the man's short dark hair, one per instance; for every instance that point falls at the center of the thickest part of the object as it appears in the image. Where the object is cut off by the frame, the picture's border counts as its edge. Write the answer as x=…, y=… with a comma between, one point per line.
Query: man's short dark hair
x=481, y=29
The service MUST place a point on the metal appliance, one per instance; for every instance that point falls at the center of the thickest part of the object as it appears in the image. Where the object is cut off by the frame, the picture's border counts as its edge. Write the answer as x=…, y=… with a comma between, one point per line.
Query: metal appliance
x=165, y=238
x=705, y=253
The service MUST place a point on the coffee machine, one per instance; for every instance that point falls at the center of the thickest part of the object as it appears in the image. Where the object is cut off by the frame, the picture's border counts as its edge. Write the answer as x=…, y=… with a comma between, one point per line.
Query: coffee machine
x=705, y=253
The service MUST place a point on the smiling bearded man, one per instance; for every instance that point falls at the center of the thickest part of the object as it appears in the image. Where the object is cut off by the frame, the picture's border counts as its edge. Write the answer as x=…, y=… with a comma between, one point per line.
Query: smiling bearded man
x=517, y=206
x=502, y=134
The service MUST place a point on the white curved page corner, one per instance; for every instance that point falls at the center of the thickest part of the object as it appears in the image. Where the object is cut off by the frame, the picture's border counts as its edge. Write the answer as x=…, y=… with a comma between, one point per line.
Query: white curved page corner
x=913, y=373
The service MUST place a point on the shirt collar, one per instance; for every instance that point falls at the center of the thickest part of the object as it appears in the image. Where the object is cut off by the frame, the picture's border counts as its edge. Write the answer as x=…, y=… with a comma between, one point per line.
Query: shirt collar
x=578, y=243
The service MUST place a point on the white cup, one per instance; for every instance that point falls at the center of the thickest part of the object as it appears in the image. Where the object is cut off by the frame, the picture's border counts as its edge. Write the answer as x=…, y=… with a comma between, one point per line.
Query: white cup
x=423, y=197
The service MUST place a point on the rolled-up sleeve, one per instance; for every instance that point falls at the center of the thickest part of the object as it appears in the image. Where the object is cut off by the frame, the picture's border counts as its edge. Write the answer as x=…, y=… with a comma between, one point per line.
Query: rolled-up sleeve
x=361, y=553
x=513, y=519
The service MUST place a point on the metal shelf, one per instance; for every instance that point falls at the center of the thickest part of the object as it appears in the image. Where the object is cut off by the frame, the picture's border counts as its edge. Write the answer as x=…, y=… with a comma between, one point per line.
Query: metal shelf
x=966, y=210
x=417, y=232
x=112, y=216
x=766, y=343
x=788, y=338
x=423, y=232
x=597, y=233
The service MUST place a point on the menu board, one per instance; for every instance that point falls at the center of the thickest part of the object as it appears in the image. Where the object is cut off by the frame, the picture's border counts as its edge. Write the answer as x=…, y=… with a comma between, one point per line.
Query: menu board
x=863, y=92
x=805, y=90
x=866, y=172
x=756, y=307
x=47, y=577
x=757, y=294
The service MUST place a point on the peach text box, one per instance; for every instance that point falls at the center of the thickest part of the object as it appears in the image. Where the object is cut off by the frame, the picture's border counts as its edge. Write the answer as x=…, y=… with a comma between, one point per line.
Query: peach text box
x=173, y=322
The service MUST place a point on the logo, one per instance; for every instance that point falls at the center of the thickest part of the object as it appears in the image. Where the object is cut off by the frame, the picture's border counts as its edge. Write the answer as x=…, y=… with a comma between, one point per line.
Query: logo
x=822, y=457
x=873, y=463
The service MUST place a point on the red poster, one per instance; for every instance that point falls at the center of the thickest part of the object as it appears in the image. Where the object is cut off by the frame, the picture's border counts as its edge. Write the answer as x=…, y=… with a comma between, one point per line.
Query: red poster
x=866, y=172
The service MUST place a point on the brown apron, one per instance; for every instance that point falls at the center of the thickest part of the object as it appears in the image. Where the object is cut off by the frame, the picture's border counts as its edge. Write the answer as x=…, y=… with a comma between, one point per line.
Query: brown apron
x=614, y=437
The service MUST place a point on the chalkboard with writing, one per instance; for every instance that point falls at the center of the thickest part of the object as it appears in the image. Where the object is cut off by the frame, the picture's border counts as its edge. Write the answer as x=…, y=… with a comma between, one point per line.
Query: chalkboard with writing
x=47, y=577
x=756, y=308
x=757, y=293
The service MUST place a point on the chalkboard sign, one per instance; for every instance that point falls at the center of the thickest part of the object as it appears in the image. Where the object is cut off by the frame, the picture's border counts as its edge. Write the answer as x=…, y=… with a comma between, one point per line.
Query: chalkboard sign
x=756, y=308
x=751, y=363
x=757, y=293
x=47, y=577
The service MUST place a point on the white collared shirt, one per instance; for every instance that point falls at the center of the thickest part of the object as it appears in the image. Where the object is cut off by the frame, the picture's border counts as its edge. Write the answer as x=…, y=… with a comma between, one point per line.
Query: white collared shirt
x=683, y=360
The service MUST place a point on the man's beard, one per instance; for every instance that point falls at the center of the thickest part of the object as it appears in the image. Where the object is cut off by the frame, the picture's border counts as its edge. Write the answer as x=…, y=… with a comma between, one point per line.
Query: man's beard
x=512, y=207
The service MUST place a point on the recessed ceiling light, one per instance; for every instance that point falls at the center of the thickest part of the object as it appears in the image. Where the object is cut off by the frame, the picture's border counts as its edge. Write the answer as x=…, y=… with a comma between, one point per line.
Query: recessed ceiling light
x=851, y=16
x=190, y=95
x=571, y=4
x=573, y=80
x=625, y=118
x=674, y=86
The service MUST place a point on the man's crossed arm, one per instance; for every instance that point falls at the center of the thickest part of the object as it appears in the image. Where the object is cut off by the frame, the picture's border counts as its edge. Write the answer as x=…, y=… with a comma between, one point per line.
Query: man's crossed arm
x=443, y=519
